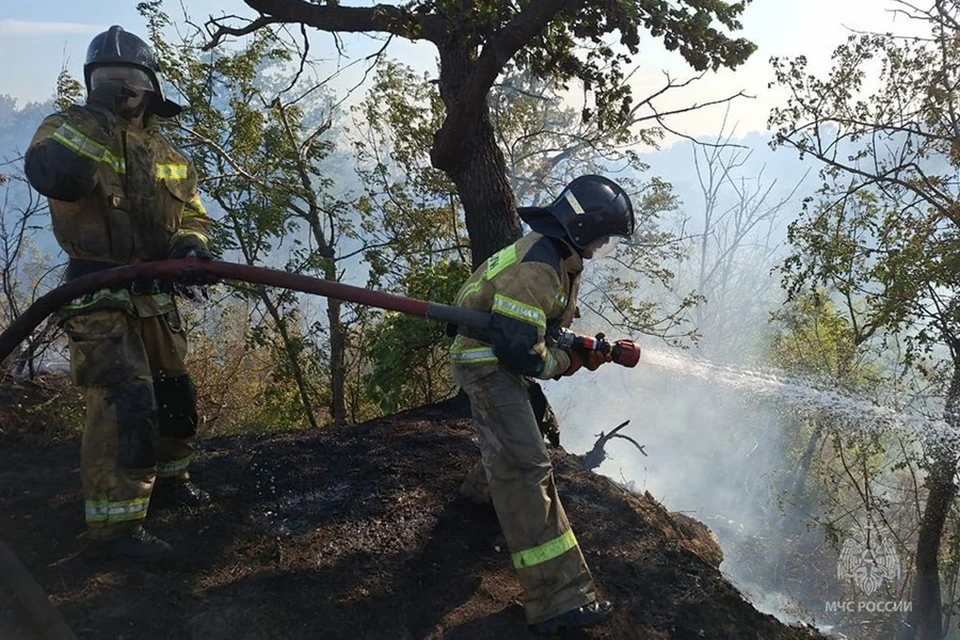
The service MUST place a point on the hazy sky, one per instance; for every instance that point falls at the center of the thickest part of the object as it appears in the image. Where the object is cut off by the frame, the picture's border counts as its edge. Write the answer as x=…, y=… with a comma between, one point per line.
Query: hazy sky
x=37, y=37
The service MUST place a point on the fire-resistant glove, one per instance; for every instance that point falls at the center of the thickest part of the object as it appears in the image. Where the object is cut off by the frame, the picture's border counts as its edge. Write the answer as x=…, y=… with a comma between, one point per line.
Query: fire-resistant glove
x=190, y=247
x=589, y=359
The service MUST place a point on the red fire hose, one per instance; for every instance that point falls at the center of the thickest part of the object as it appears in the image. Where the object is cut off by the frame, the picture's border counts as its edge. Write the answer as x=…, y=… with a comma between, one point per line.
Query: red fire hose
x=623, y=352
x=172, y=270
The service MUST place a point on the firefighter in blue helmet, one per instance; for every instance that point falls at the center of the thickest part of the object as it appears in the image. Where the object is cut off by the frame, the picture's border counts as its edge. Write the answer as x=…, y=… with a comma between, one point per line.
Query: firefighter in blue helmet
x=120, y=194
x=530, y=288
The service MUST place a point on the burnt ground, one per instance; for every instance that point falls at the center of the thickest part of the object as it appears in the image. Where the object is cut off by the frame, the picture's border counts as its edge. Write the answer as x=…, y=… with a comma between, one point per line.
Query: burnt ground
x=354, y=533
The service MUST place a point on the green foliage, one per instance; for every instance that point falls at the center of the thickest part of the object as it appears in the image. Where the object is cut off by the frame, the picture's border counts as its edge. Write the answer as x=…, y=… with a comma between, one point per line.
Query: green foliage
x=547, y=143
x=69, y=91
x=410, y=213
x=884, y=230
x=261, y=136
x=816, y=340
x=578, y=44
x=409, y=355
x=579, y=40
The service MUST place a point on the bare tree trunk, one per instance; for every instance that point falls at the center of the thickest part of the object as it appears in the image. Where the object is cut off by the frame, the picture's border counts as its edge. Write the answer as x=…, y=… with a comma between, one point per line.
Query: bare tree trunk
x=338, y=369
x=478, y=169
x=298, y=375
x=925, y=620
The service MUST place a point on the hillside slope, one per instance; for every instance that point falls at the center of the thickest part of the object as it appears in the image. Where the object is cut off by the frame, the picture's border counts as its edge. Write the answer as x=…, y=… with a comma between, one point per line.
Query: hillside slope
x=359, y=533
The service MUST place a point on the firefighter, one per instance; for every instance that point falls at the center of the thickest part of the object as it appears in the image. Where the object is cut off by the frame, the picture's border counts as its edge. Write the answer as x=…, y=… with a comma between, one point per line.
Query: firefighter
x=119, y=193
x=530, y=288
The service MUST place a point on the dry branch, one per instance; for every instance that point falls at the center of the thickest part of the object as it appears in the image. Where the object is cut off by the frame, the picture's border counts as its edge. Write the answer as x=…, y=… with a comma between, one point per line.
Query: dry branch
x=595, y=457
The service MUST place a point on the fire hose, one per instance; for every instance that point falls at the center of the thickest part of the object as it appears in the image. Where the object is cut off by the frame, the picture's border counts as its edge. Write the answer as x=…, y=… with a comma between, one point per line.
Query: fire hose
x=623, y=352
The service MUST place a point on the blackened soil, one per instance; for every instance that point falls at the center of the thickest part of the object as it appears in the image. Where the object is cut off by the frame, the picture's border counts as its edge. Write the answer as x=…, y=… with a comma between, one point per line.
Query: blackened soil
x=357, y=532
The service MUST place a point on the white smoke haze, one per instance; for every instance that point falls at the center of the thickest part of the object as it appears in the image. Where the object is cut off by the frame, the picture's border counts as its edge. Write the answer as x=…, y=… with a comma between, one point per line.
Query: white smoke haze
x=725, y=435
x=716, y=439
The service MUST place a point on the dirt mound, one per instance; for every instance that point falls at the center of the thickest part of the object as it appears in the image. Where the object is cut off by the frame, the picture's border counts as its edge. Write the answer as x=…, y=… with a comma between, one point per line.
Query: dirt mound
x=359, y=533
x=38, y=411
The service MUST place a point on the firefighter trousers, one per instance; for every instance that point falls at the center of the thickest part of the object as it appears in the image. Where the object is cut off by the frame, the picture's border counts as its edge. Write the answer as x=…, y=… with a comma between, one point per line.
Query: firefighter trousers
x=549, y=564
x=141, y=413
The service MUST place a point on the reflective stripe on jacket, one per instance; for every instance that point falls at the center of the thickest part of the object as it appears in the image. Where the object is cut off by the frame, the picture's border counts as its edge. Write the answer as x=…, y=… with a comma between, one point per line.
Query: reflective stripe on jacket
x=529, y=287
x=117, y=194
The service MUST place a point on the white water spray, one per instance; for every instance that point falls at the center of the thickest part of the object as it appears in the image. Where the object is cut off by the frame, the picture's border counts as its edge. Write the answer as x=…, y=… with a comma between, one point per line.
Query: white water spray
x=856, y=416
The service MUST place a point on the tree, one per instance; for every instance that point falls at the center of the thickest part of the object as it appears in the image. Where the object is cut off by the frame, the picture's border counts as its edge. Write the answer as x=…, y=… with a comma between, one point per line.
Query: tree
x=737, y=247
x=884, y=233
x=409, y=361
x=565, y=40
x=25, y=272
x=260, y=134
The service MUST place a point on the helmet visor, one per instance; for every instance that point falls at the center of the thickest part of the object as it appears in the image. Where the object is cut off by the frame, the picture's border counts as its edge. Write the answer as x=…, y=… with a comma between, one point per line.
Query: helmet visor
x=130, y=76
x=602, y=247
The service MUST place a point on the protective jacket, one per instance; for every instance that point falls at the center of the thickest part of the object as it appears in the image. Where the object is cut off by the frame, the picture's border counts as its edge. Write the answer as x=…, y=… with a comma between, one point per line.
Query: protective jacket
x=118, y=195
x=122, y=195
x=530, y=288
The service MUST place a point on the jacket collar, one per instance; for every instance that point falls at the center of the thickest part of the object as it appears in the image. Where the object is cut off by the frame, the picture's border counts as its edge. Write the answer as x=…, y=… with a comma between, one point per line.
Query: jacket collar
x=572, y=261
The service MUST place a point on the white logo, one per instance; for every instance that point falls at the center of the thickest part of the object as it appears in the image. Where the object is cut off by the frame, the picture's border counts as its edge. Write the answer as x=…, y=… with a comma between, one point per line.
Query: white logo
x=868, y=559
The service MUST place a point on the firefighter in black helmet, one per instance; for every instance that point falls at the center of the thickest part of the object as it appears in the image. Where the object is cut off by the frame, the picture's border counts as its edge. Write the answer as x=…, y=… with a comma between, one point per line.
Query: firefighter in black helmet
x=530, y=288
x=118, y=55
x=120, y=194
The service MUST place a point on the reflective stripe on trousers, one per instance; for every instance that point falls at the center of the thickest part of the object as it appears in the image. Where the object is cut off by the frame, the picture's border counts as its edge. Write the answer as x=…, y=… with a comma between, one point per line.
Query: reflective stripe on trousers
x=172, y=468
x=107, y=511
x=546, y=551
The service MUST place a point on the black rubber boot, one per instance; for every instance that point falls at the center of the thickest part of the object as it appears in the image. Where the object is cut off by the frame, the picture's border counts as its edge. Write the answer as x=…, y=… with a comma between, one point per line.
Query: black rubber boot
x=179, y=492
x=586, y=616
x=139, y=544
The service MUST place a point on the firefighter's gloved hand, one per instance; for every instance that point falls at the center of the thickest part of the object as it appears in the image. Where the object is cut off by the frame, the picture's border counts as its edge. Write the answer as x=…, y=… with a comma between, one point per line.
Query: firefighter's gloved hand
x=596, y=358
x=589, y=359
x=190, y=247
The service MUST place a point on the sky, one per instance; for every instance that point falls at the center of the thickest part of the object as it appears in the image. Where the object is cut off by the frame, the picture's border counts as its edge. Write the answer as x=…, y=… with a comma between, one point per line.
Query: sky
x=39, y=37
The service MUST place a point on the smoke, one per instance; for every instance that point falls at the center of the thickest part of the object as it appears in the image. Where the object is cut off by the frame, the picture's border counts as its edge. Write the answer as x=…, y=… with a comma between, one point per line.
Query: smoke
x=715, y=453
x=726, y=438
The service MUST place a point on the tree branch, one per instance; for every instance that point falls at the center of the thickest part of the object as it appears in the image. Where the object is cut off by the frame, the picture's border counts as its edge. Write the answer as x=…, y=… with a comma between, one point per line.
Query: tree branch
x=333, y=18
x=500, y=48
x=595, y=457
x=217, y=36
x=507, y=41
